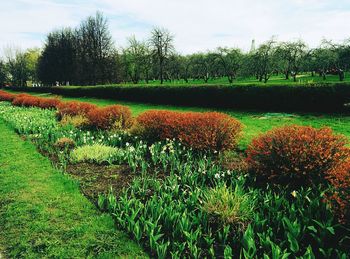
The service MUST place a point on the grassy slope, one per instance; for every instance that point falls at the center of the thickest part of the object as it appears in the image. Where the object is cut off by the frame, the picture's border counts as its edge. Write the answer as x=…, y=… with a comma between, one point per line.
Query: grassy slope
x=255, y=122
x=43, y=213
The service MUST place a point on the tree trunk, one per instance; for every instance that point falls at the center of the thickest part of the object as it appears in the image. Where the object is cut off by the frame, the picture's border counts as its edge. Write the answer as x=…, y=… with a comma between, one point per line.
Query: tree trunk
x=287, y=75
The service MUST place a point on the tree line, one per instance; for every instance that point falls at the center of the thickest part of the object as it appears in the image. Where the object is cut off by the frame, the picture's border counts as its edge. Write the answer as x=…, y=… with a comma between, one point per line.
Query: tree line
x=87, y=55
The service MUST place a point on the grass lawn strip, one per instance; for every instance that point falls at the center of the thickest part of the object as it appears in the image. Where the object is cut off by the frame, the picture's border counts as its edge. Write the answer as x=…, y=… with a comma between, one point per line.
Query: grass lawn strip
x=43, y=213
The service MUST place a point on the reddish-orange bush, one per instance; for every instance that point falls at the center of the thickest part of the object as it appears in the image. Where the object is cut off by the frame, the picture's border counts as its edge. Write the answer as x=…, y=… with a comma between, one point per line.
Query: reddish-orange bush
x=34, y=101
x=296, y=155
x=48, y=103
x=74, y=108
x=339, y=177
x=201, y=131
x=5, y=96
x=26, y=100
x=109, y=117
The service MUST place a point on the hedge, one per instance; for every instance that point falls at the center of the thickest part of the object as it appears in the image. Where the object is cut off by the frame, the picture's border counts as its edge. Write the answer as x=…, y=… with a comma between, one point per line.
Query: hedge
x=302, y=98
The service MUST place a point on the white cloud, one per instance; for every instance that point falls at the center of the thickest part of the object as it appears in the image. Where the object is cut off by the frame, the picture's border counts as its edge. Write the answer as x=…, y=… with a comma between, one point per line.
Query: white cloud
x=198, y=25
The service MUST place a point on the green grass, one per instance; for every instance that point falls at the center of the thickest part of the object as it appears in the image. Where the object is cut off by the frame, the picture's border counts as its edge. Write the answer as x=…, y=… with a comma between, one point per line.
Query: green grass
x=254, y=122
x=274, y=80
x=43, y=214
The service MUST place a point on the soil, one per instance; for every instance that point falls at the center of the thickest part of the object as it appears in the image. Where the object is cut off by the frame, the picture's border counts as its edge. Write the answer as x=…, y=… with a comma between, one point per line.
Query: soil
x=97, y=179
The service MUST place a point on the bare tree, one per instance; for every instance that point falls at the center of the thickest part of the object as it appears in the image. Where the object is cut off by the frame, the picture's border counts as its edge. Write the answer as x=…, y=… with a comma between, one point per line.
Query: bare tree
x=162, y=44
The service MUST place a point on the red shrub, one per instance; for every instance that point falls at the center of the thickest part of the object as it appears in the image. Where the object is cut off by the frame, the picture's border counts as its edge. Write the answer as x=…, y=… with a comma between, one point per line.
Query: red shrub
x=296, y=155
x=5, y=96
x=74, y=108
x=49, y=103
x=201, y=131
x=26, y=100
x=339, y=177
x=117, y=116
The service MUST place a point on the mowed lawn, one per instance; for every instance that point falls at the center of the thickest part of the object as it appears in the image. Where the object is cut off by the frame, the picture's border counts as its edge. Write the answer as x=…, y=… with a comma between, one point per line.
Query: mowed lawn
x=44, y=215
x=254, y=122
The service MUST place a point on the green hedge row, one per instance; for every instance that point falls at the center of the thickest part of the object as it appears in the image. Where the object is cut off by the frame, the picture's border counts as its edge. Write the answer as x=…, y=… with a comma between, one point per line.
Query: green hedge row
x=319, y=98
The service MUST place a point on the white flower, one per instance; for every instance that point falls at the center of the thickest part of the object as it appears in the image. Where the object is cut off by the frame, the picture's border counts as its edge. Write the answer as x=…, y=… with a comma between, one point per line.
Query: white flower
x=127, y=144
x=217, y=176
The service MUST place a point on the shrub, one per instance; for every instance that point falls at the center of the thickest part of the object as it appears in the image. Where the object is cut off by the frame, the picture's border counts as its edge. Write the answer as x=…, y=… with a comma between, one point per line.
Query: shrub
x=95, y=153
x=65, y=143
x=74, y=108
x=339, y=177
x=78, y=121
x=33, y=101
x=229, y=206
x=301, y=97
x=296, y=155
x=5, y=96
x=201, y=131
x=48, y=103
x=26, y=100
x=111, y=117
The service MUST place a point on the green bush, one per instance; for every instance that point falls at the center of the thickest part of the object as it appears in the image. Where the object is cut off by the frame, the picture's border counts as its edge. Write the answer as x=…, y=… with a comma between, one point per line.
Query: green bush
x=95, y=153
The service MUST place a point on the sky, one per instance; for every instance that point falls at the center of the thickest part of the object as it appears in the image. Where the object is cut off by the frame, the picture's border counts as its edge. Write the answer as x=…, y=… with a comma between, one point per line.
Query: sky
x=197, y=25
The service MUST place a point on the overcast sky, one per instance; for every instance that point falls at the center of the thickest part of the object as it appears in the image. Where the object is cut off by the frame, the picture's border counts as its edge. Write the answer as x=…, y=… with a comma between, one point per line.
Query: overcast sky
x=198, y=25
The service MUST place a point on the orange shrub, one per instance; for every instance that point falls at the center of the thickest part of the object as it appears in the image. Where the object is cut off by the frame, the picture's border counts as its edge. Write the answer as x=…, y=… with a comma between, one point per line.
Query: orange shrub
x=109, y=117
x=201, y=131
x=74, y=108
x=339, y=177
x=296, y=155
x=48, y=103
x=26, y=100
x=5, y=96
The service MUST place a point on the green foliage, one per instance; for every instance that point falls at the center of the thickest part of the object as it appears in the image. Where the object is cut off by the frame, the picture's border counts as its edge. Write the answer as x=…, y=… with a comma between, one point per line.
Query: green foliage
x=95, y=153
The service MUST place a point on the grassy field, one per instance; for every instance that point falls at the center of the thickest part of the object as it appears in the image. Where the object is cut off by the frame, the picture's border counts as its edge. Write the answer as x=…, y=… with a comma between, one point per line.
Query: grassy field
x=274, y=80
x=255, y=122
x=43, y=213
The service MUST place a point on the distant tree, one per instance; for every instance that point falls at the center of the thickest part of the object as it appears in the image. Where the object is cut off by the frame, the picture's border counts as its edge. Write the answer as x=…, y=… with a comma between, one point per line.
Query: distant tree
x=174, y=67
x=324, y=59
x=162, y=43
x=231, y=60
x=32, y=57
x=341, y=56
x=201, y=66
x=136, y=59
x=185, y=63
x=264, y=60
x=290, y=56
x=17, y=66
x=58, y=60
x=96, y=51
x=3, y=73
